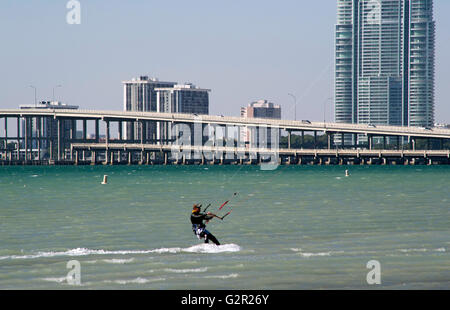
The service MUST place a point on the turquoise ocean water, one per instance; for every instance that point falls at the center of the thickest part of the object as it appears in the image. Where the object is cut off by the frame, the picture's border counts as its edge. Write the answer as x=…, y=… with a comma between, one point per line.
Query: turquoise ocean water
x=298, y=227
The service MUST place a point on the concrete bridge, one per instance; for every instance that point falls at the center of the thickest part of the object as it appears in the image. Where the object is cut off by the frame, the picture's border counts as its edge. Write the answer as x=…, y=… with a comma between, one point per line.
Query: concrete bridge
x=62, y=145
x=288, y=125
x=149, y=154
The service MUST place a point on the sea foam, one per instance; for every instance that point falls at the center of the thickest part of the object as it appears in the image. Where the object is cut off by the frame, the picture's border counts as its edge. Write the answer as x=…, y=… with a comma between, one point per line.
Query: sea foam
x=137, y=280
x=78, y=252
x=193, y=270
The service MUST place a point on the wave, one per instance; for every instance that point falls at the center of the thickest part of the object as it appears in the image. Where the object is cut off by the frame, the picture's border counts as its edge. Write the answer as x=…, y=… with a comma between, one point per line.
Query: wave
x=422, y=250
x=412, y=250
x=213, y=249
x=315, y=254
x=57, y=280
x=306, y=254
x=228, y=276
x=137, y=280
x=73, y=252
x=194, y=270
x=201, y=248
x=118, y=261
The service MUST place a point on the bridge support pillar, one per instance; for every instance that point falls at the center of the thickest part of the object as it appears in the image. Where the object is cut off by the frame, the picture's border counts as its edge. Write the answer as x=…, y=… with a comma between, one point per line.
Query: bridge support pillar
x=6, y=132
x=289, y=139
x=38, y=128
x=315, y=139
x=120, y=129
x=18, y=138
x=60, y=138
x=84, y=130
x=93, y=157
x=97, y=131
x=27, y=128
x=141, y=160
x=370, y=140
x=107, y=131
x=119, y=156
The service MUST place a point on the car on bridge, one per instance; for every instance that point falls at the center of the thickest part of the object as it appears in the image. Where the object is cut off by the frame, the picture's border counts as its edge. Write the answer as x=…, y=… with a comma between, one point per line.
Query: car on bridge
x=426, y=128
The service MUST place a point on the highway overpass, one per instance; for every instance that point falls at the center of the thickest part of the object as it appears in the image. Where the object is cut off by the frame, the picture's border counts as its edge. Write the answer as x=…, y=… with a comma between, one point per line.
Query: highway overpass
x=32, y=144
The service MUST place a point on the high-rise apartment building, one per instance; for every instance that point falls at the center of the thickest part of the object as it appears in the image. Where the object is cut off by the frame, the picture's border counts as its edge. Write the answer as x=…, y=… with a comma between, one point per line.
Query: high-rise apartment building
x=186, y=98
x=151, y=95
x=385, y=63
x=140, y=95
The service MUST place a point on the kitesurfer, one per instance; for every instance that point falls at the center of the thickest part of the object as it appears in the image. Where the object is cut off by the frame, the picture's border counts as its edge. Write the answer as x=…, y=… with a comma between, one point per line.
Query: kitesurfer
x=198, y=225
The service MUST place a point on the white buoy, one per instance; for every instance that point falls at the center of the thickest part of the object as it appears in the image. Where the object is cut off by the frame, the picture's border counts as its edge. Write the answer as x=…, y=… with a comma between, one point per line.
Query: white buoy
x=346, y=173
x=105, y=179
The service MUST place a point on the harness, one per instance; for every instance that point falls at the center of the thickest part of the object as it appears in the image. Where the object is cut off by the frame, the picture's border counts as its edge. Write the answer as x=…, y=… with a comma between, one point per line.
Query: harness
x=199, y=230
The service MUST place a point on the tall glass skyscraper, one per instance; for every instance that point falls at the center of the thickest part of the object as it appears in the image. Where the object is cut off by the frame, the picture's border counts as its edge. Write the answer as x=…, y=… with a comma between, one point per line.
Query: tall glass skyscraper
x=385, y=63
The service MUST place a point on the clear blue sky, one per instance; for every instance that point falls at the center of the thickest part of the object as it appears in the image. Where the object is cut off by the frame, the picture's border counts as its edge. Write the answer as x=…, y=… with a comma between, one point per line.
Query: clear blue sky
x=242, y=50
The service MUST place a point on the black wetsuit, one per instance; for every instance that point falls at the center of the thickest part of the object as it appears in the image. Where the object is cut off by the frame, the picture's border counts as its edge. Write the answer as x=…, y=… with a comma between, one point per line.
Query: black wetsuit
x=199, y=227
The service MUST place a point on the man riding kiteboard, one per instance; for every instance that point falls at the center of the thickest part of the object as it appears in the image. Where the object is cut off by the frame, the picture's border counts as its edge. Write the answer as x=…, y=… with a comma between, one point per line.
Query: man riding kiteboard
x=198, y=225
